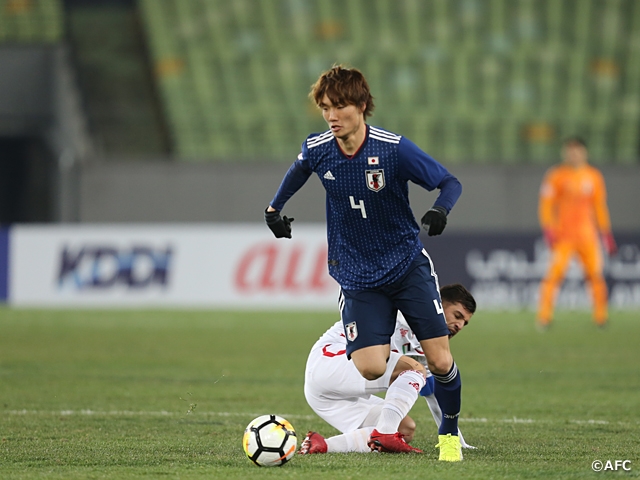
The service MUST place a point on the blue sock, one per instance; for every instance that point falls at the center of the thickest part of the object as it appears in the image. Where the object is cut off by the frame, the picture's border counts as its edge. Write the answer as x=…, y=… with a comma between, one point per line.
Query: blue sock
x=448, y=390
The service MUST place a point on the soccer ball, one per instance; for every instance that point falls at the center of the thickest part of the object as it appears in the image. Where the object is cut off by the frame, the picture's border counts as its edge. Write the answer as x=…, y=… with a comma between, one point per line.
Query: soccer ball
x=269, y=441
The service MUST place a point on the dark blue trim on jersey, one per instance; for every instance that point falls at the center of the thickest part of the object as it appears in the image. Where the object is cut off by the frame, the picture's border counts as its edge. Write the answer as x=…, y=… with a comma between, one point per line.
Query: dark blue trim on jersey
x=4, y=264
x=296, y=177
x=415, y=165
x=450, y=190
x=420, y=168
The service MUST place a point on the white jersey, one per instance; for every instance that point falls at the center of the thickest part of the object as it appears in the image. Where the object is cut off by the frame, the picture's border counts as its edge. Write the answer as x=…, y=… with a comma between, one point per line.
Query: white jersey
x=405, y=342
x=334, y=336
x=334, y=388
x=343, y=398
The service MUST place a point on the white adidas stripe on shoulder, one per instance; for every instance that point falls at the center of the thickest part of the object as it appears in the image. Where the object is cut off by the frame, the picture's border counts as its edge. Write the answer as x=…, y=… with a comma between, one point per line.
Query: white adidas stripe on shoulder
x=384, y=132
x=384, y=139
x=320, y=139
x=383, y=135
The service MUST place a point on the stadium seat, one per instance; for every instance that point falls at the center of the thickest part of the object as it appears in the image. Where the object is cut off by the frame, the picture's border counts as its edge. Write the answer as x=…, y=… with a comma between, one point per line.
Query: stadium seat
x=34, y=21
x=470, y=81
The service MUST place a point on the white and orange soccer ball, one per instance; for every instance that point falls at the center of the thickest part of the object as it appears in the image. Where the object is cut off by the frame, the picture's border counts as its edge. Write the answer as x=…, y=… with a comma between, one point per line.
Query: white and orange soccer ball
x=269, y=441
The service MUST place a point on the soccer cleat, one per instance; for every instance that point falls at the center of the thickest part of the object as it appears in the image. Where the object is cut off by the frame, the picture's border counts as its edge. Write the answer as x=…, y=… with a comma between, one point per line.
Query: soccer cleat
x=390, y=443
x=313, y=443
x=449, y=448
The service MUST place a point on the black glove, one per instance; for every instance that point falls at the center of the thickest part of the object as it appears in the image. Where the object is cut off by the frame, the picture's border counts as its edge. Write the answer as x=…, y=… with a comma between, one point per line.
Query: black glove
x=280, y=226
x=434, y=220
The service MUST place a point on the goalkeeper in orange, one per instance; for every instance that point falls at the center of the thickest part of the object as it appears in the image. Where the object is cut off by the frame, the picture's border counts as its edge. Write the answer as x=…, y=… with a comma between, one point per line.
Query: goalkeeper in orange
x=574, y=218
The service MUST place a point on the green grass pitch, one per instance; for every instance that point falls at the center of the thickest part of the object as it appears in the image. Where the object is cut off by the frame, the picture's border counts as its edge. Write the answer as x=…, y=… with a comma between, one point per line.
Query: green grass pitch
x=167, y=394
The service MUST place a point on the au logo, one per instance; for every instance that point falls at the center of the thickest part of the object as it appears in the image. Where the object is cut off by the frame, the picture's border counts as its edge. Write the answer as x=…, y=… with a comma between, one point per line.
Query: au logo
x=375, y=179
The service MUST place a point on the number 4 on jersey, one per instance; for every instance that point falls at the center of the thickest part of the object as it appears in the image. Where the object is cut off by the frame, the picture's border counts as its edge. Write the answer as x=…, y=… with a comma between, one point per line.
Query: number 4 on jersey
x=358, y=206
x=438, y=305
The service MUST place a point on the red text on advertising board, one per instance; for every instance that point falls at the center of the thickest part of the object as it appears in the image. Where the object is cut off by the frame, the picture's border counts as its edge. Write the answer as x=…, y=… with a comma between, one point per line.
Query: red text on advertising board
x=269, y=267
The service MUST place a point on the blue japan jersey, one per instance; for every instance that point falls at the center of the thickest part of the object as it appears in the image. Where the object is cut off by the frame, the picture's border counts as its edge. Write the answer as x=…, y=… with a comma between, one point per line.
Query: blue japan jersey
x=371, y=231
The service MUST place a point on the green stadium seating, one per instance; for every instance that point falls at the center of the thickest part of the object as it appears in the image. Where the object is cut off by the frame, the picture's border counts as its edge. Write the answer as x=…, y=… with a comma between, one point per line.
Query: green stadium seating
x=30, y=21
x=470, y=81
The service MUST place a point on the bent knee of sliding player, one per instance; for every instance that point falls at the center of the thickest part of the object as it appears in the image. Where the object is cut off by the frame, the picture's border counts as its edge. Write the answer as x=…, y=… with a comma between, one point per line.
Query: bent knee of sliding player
x=407, y=363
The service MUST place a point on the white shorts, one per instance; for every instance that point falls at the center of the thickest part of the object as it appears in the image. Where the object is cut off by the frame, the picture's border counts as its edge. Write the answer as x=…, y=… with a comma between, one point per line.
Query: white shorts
x=336, y=391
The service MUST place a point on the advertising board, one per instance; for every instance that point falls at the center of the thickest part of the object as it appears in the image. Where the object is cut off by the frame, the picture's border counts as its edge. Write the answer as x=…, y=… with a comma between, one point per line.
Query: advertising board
x=170, y=265
x=243, y=266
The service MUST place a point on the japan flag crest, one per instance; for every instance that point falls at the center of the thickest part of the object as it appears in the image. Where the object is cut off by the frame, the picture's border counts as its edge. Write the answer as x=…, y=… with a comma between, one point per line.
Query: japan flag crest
x=375, y=179
x=352, y=331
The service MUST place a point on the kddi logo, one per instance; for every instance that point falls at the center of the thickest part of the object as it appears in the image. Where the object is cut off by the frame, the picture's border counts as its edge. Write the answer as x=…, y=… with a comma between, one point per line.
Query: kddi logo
x=100, y=267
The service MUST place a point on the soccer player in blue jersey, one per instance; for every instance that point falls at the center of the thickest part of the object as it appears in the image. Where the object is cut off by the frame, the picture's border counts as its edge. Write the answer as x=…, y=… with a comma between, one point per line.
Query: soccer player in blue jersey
x=375, y=253
x=336, y=391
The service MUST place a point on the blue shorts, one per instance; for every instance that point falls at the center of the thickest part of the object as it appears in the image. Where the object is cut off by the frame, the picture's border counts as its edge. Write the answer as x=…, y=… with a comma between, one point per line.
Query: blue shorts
x=369, y=316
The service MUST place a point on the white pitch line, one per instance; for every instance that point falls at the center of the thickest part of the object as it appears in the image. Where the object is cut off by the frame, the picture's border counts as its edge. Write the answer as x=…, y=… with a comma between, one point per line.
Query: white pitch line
x=138, y=413
x=166, y=413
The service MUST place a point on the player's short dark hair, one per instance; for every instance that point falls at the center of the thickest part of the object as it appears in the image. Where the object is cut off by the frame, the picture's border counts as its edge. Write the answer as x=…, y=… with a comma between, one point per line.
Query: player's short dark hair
x=343, y=86
x=457, y=293
x=575, y=139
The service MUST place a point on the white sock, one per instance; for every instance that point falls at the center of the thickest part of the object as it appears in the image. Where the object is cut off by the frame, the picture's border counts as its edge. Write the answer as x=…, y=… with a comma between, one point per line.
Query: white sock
x=355, y=441
x=400, y=397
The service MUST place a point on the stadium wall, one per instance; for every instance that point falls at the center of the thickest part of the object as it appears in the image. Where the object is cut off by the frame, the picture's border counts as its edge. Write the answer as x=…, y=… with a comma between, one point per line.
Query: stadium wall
x=40, y=103
x=494, y=199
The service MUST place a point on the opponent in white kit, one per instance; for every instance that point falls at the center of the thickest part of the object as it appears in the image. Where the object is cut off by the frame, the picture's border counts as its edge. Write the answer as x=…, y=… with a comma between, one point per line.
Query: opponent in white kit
x=337, y=392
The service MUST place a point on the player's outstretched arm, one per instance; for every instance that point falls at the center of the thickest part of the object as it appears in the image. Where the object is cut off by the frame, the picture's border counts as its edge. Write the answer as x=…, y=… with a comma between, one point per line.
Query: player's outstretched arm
x=602, y=215
x=418, y=167
x=295, y=178
x=435, y=219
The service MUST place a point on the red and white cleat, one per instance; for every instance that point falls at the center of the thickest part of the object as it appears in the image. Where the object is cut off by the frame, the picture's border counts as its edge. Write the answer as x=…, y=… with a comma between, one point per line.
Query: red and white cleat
x=390, y=443
x=313, y=443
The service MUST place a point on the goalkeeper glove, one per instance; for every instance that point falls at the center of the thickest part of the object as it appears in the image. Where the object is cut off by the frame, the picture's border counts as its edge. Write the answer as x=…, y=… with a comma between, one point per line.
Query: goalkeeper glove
x=609, y=243
x=434, y=220
x=549, y=237
x=280, y=226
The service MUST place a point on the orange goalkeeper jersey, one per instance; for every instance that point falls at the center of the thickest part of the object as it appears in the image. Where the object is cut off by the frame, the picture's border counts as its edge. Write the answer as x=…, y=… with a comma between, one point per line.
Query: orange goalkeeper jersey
x=573, y=203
